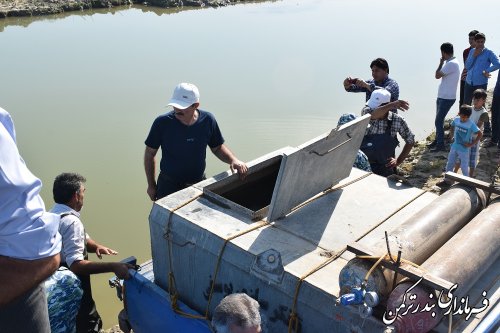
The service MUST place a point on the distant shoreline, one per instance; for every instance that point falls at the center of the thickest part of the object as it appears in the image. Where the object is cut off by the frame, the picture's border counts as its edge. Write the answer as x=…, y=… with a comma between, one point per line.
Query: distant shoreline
x=19, y=8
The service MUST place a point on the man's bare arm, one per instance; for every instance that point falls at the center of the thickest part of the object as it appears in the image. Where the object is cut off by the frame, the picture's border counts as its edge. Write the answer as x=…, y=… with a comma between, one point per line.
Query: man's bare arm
x=99, y=249
x=19, y=276
x=381, y=111
x=225, y=155
x=439, y=74
x=150, y=169
x=87, y=267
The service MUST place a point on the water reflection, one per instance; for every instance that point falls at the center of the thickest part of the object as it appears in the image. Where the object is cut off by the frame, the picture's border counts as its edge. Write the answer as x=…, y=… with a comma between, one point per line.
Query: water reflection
x=25, y=21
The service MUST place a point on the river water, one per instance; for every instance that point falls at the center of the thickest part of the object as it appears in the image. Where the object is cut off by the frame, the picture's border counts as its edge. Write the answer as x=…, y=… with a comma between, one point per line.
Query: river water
x=83, y=88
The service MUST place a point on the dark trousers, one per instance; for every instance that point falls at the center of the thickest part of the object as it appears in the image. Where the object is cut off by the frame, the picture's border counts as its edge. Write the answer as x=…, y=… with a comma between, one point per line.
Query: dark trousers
x=382, y=170
x=461, y=100
x=495, y=117
x=469, y=90
x=167, y=185
x=27, y=314
x=88, y=319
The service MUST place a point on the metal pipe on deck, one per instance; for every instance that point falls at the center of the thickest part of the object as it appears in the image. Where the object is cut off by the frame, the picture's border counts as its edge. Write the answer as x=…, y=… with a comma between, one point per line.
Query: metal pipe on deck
x=462, y=261
x=417, y=238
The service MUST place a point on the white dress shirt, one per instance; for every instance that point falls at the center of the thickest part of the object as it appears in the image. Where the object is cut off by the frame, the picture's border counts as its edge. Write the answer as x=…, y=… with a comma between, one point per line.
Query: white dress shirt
x=26, y=230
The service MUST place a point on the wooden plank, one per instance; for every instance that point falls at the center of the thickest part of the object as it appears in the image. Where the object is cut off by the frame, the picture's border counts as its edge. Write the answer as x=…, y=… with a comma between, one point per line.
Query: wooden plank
x=410, y=271
x=487, y=187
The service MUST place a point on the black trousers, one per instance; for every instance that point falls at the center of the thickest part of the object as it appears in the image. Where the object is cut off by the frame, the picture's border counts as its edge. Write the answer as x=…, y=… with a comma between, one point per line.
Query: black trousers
x=167, y=185
x=88, y=319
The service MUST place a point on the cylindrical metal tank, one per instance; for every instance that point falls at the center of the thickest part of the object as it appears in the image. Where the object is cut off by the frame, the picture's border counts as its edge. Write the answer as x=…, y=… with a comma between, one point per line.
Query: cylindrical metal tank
x=417, y=238
x=462, y=261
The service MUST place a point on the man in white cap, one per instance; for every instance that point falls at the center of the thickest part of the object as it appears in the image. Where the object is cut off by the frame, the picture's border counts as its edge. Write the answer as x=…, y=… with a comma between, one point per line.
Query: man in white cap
x=380, y=140
x=183, y=135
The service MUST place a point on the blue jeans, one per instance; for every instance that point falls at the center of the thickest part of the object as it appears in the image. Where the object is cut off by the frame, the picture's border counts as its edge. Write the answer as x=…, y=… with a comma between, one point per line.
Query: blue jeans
x=442, y=108
x=457, y=155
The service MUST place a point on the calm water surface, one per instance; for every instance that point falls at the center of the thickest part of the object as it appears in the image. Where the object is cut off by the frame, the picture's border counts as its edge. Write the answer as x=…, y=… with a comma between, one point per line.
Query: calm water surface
x=84, y=88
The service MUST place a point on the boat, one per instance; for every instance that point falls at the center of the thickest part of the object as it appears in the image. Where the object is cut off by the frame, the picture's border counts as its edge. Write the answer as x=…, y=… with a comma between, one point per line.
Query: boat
x=323, y=247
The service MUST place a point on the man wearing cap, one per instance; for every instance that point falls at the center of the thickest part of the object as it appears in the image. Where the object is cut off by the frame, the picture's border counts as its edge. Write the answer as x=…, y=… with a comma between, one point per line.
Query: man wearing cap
x=380, y=140
x=183, y=135
x=381, y=79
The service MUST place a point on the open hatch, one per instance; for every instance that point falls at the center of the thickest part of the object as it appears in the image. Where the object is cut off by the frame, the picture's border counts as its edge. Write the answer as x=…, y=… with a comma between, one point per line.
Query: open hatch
x=275, y=186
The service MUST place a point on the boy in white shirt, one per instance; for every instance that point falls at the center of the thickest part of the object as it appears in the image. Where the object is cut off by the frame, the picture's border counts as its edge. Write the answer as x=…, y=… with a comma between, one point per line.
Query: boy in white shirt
x=479, y=116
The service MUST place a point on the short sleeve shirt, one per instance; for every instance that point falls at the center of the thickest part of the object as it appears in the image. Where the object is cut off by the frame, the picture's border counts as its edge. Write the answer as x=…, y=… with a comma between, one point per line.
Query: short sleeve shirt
x=184, y=147
x=463, y=133
x=449, y=82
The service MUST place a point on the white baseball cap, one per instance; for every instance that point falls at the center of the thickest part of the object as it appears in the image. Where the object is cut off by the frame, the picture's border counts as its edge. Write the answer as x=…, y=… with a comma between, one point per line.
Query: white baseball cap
x=185, y=95
x=379, y=97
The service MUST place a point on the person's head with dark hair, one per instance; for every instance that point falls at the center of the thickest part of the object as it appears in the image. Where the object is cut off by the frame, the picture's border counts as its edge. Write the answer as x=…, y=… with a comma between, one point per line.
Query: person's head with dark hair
x=472, y=43
x=473, y=33
x=479, y=98
x=380, y=69
x=465, y=112
x=479, y=35
x=480, y=94
x=447, y=48
x=69, y=190
x=237, y=313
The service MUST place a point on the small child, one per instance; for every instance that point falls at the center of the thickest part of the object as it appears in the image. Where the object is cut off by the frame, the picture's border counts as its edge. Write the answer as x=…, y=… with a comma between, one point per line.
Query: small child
x=463, y=129
x=479, y=116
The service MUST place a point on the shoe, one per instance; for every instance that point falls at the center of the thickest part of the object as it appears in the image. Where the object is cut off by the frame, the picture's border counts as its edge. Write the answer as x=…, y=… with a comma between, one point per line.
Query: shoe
x=437, y=149
x=489, y=144
x=432, y=144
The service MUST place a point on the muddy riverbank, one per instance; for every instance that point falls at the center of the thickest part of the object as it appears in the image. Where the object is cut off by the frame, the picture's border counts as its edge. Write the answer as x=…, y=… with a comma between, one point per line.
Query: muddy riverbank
x=16, y=8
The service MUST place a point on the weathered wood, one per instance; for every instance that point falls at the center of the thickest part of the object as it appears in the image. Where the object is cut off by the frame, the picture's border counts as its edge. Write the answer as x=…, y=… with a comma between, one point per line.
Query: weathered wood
x=487, y=187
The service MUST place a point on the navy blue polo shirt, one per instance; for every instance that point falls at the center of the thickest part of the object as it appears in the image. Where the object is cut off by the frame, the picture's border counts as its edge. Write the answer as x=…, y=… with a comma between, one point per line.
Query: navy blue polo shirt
x=184, y=148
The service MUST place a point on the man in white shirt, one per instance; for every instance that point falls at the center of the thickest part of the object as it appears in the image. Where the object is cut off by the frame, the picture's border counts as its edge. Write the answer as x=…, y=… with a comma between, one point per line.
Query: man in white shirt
x=449, y=73
x=29, y=240
x=69, y=193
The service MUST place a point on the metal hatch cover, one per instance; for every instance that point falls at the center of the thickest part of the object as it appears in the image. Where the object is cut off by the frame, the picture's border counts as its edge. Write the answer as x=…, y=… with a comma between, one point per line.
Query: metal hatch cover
x=316, y=166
